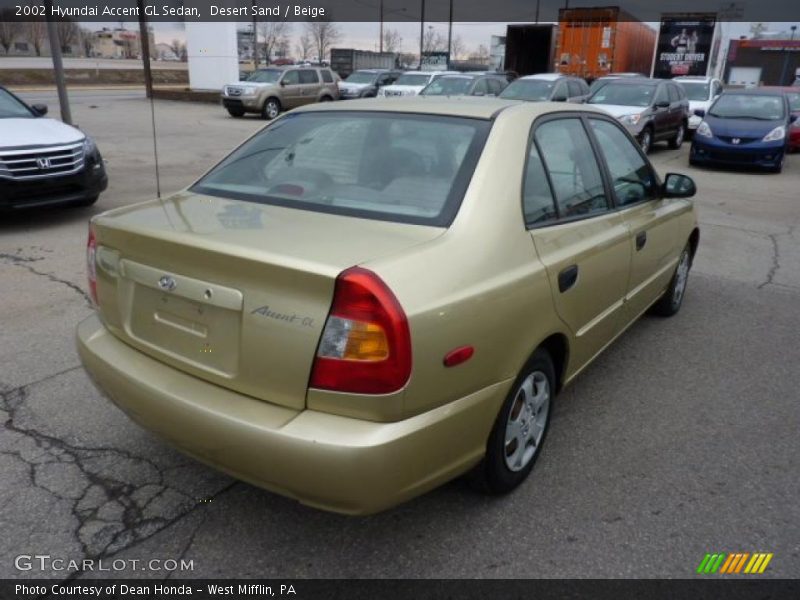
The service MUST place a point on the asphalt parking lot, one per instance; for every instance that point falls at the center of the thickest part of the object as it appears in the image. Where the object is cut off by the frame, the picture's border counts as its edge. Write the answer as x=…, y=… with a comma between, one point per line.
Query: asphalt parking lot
x=681, y=439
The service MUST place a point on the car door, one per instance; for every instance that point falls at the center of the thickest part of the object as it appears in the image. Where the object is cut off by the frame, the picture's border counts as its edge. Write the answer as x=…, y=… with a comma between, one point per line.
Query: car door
x=652, y=220
x=662, y=119
x=678, y=106
x=583, y=244
x=291, y=90
x=309, y=86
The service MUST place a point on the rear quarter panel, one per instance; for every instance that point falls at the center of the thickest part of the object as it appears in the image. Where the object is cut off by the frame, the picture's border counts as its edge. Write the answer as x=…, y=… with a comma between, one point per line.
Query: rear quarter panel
x=479, y=284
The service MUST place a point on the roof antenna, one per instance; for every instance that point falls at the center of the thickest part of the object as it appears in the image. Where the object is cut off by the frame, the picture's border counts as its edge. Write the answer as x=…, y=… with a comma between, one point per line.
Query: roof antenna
x=144, y=45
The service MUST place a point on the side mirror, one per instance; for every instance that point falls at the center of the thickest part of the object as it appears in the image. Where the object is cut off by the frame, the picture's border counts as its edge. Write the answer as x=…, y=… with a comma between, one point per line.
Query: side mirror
x=699, y=112
x=41, y=109
x=282, y=83
x=678, y=186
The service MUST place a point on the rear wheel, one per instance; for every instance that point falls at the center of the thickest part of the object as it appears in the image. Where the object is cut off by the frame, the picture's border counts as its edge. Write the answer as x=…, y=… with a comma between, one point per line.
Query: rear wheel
x=676, y=142
x=670, y=303
x=272, y=108
x=646, y=140
x=520, y=429
x=326, y=99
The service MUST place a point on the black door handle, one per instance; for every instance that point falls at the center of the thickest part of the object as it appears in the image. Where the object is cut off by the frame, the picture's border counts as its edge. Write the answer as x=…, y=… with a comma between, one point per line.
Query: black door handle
x=567, y=278
x=641, y=239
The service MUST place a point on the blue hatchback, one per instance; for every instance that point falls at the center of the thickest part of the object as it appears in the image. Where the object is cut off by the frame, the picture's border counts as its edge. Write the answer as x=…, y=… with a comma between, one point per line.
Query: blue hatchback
x=744, y=128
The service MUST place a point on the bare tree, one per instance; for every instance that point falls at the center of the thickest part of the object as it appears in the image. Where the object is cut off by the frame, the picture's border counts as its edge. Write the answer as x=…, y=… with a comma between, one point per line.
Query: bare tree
x=68, y=32
x=480, y=55
x=433, y=41
x=392, y=41
x=304, y=46
x=275, y=35
x=177, y=47
x=457, y=47
x=324, y=34
x=36, y=32
x=8, y=29
x=86, y=37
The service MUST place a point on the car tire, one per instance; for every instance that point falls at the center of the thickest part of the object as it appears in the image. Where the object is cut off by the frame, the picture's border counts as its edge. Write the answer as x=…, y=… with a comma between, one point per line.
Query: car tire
x=779, y=167
x=236, y=112
x=524, y=418
x=646, y=139
x=86, y=201
x=271, y=109
x=680, y=135
x=670, y=303
x=326, y=99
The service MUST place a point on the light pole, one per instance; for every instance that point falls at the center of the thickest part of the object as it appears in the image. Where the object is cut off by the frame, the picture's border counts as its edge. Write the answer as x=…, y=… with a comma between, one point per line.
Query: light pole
x=450, y=36
x=786, y=53
x=380, y=10
x=421, y=33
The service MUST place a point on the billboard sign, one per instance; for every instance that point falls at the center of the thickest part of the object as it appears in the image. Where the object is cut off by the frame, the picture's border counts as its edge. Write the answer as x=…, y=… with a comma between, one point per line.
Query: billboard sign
x=684, y=44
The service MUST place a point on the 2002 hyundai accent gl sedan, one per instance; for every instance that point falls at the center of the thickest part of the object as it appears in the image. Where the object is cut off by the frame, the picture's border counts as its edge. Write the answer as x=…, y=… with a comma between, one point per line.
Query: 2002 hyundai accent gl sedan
x=365, y=300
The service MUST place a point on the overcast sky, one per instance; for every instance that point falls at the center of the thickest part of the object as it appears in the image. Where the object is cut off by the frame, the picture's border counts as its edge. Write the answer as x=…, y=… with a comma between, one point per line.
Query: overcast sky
x=364, y=36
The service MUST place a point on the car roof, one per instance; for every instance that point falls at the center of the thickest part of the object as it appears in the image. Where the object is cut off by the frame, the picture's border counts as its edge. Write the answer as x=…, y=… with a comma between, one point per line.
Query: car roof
x=637, y=81
x=698, y=78
x=456, y=106
x=760, y=91
x=544, y=76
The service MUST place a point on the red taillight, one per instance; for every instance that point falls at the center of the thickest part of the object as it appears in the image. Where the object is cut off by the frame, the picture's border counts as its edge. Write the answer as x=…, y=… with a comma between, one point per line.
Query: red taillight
x=366, y=345
x=91, y=269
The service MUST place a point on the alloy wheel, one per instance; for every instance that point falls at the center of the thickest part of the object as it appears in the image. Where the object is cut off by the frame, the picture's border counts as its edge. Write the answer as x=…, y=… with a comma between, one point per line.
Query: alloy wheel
x=527, y=420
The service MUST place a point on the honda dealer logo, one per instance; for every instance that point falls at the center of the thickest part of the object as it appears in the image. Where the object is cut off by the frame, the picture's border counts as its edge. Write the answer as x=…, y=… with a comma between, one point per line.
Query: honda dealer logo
x=43, y=163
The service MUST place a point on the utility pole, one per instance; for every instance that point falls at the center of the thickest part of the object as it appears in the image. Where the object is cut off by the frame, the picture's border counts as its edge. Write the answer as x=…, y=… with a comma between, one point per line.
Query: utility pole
x=421, y=33
x=450, y=36
x=255, y=36
x=144, y=44
x=58, y=64
x=380, y=16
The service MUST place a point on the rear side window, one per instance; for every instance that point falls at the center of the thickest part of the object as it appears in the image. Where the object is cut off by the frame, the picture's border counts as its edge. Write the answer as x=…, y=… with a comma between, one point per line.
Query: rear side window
x=387, y=166
x=326, y=76
x=674, y=96
x=574, y=89
x=538, y=205
x=631, y=176
x=309, y=76
x=572, y=166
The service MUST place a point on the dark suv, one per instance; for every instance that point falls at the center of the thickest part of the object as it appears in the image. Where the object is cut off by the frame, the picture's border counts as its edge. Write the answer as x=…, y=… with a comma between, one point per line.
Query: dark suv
x=651, y=109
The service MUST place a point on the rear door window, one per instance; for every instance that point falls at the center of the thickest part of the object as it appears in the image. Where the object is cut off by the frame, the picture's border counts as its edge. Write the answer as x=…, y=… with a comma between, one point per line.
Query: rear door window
x=572, y=167
x=309, y=76
x=326, y=76
x=390, y=166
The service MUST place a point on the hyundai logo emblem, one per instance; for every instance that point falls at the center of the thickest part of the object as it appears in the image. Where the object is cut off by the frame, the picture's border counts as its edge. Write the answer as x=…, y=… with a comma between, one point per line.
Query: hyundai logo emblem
x=43, y=163
x=167, y=283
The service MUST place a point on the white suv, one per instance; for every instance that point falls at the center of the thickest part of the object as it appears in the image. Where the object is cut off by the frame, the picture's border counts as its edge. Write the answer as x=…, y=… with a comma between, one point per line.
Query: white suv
x=701, y=91
x=411, y=83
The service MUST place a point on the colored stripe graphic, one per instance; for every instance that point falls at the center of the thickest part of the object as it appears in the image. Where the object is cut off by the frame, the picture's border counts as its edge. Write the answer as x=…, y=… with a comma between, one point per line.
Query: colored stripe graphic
x=734, y=562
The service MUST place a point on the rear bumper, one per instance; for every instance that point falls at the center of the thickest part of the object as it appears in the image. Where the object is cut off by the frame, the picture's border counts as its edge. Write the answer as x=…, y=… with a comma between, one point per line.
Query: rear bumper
x=63, y=189
x=327, y=461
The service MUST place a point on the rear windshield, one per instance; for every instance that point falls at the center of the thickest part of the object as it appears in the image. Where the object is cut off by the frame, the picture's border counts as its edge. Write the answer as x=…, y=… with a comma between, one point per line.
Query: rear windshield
x=447, y=86
x=624, y=94
x=413, y=79
x=695, y=91
x=388, y=166
x=528, y=89
x=748, y=106
x=361, y=77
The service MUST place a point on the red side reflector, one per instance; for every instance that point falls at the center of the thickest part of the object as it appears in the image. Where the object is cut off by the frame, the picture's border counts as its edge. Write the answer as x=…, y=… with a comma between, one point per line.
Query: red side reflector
x=458, y=356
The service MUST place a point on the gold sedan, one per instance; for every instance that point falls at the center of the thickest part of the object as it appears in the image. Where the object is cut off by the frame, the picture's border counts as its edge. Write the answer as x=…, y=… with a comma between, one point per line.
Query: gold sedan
x=366, y=300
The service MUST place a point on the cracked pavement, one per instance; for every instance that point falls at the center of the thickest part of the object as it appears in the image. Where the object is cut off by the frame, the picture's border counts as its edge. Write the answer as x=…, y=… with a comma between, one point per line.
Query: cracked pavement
x=680, y=440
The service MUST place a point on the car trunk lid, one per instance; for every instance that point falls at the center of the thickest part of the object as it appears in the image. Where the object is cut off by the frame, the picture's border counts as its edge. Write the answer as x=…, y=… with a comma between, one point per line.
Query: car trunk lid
x=234, y=292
